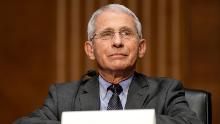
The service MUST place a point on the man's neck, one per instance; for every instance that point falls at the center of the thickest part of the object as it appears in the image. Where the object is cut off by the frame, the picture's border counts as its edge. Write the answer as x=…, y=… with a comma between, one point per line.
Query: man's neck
x=115, y=77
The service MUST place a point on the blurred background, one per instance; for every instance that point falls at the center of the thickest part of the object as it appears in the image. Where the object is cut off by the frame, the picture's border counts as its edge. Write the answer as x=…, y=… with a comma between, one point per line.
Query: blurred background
x=42, y=43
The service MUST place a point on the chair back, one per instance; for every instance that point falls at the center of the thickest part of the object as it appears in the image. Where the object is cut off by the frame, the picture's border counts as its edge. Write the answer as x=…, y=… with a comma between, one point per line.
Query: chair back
x=200, y=102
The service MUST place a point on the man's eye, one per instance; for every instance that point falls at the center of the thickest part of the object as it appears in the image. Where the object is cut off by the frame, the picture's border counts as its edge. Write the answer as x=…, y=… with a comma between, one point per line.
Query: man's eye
x=125, y=33
x=103, y=34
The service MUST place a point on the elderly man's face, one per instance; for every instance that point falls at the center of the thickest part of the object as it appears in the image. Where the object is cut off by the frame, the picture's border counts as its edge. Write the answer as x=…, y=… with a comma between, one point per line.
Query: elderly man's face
x=115, y=45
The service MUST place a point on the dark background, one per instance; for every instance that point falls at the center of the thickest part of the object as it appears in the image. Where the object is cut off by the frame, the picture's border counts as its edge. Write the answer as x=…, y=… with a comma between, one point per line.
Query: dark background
x=42, y=43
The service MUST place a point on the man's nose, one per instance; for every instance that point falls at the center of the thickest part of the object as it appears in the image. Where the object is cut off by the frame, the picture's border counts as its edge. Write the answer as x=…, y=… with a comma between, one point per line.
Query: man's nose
x=117, y=41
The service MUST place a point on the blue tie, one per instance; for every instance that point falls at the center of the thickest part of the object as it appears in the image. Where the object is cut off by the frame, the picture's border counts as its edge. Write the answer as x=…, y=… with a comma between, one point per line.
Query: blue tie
x=115, y=102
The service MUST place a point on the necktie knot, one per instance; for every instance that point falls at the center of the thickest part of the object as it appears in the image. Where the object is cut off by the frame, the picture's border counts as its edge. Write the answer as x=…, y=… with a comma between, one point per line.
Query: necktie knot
x=115, y=88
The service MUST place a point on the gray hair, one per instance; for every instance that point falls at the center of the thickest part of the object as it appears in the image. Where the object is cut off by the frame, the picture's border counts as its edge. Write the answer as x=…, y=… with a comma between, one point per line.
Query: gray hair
x=91, y=24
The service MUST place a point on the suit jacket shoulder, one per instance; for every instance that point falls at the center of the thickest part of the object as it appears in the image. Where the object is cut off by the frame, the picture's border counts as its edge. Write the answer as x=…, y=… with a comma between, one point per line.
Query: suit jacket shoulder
x=149, y=92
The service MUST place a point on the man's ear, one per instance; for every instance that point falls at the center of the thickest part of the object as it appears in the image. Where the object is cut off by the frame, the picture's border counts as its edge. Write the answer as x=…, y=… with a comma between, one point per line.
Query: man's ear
x=88, y=47
x=142, y=48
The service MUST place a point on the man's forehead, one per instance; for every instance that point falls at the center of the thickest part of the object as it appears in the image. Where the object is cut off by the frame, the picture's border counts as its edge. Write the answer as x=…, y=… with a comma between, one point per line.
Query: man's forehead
x=114, y=12
x=111, y=19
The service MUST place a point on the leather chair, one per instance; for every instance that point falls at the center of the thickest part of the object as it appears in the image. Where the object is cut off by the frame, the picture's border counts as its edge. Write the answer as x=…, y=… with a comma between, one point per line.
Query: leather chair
x=200, y=102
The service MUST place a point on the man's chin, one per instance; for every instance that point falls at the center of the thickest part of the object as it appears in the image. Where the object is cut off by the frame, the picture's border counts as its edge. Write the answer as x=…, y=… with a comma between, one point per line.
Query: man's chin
x=118, y=68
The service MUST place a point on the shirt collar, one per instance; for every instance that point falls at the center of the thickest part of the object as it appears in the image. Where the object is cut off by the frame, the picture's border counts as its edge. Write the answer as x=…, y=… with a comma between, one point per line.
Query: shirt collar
x=105, y=84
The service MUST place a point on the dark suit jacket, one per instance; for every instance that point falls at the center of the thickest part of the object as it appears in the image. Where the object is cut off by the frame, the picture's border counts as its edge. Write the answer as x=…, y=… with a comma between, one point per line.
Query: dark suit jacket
x=165, y=95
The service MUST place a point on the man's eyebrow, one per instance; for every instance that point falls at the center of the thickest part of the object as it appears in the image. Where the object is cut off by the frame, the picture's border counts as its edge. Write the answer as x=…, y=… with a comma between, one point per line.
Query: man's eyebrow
x=120, y=29
x=125, y=28
x=108, y=29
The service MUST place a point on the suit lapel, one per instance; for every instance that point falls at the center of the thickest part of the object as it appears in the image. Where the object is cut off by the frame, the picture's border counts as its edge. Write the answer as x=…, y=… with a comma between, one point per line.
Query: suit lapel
x=89, y=97
x=138, y=92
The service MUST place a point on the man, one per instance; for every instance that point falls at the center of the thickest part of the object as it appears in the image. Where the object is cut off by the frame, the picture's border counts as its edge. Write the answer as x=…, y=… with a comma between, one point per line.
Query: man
x=115, y=43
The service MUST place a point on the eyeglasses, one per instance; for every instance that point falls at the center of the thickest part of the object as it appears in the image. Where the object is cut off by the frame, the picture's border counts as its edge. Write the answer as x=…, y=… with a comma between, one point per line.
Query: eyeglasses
x=110, y=35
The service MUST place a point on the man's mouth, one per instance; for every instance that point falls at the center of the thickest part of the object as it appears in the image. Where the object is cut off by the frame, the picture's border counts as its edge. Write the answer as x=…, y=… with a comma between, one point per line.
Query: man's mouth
x=118, y=56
